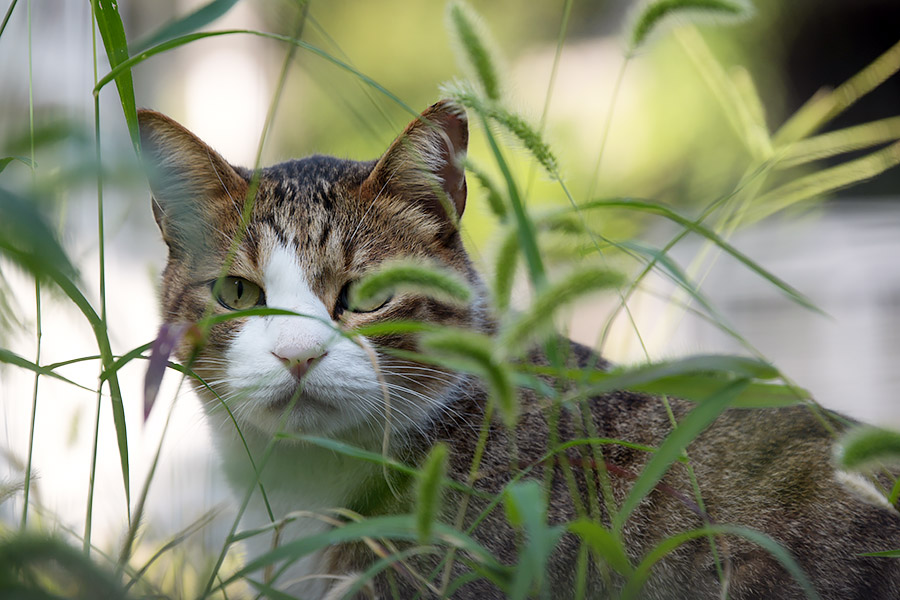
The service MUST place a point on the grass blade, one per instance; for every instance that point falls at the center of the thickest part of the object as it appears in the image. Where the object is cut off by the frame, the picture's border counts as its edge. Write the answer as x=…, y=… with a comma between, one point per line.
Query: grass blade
x=642, y=572
x=106, y=12
x=690, y=427
x=11, y=358
x=526, y=508
x=823, y=107
x=841, y=141
x=428, y=490
x=695, y=227
x=604, y=544
x=824, y=182
x=189, y=23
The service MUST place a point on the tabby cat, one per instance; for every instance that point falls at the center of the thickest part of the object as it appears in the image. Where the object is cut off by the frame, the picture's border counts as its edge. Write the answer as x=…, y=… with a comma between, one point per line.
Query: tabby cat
x=320, y=224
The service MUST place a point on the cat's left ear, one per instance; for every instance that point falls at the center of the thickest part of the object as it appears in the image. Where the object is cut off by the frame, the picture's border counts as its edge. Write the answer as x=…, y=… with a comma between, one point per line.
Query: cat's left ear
x=425, y=162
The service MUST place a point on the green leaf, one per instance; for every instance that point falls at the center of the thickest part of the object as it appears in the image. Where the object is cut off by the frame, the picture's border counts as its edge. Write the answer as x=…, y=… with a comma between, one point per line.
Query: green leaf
x=604, y=543
x=470, y=35
x=538, y=320
x=29, y=242
x=27, y=239
x=885, y=554
x=655, y=13
x=106, y=13
x=865, y=446
x=505, y=270
x=189, y=23
x=692, y=425
x=127, y=65
x=428, y=490
x=4, y=162
x=40, y=568
x=824, y=182
x=399, y=277
x=11, y=358
x=845, y=140
x=394, y=527
x=695, y=227
x=735, y=93
x=823, y=107
x=642, y=572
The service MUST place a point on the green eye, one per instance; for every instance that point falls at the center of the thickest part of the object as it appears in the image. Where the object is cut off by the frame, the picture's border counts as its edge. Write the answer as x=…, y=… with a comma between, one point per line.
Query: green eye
x=361, y=306
x=236, y=293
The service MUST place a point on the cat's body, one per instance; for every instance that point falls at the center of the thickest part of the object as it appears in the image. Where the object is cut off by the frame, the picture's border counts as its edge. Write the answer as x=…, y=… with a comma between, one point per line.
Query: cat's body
x=320, y=224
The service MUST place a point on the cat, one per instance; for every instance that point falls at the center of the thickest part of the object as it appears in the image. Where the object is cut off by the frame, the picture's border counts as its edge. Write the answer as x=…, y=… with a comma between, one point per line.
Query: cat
x=317, y=226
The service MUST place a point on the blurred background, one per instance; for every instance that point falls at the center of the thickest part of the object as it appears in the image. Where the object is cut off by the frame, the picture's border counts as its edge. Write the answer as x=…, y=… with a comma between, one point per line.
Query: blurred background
x=668, y=139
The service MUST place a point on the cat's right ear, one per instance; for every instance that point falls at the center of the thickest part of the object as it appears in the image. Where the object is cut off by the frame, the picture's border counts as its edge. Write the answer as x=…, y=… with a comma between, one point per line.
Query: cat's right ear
x=188, y=179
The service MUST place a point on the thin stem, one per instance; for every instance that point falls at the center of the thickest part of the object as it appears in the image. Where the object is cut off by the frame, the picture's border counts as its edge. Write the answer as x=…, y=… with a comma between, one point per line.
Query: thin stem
x=37, y=283
x=9, y=11
x=606, y=127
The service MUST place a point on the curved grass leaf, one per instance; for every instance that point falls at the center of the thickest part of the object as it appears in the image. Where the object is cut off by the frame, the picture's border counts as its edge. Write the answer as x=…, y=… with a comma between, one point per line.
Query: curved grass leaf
x=30, y=243
x=824, y=182
x=127, y=65
x=538, y=320
x=11, y=358
x=655, y=13
x=695, y=227
x=394, y=527
x=642, y=572
x=106, y=13
x=604, y=544
x=841, y=141
x=51, y=567
x=470, y=35
x=823, y=107
x=866, y=446
x=692, y=425
x=4, y=162
x=428, y=490
x=410, y=277
x=27, y=239
x=735, y=92
x=189, y=23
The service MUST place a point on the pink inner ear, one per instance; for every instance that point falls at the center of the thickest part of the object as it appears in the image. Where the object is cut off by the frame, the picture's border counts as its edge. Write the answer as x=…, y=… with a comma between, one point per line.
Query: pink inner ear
x=452, y=173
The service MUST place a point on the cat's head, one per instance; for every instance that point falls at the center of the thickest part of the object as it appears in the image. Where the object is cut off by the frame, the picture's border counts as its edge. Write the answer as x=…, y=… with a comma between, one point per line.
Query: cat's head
x=317, y=226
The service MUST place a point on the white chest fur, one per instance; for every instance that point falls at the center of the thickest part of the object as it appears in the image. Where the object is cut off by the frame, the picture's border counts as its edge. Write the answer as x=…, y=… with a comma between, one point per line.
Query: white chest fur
x=302, y=483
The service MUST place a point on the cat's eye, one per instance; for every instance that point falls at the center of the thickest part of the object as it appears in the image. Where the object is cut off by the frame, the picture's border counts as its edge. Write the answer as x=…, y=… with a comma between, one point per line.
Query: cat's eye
x=236, y=293
x=345, y=302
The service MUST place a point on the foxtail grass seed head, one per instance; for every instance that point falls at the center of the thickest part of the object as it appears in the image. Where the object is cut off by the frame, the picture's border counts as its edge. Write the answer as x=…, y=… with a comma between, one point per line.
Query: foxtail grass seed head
x=412, y=277
x=430, y=486
x=867, y=446
x=471, y=36
x=651, y=16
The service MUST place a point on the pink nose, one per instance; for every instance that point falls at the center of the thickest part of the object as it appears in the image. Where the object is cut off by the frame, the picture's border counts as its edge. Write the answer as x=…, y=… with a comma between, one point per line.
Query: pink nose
x=299, y=365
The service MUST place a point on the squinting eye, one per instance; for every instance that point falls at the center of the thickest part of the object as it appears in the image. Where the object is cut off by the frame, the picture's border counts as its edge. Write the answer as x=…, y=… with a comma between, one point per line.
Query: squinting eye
x=236, y=293
x=367, y=306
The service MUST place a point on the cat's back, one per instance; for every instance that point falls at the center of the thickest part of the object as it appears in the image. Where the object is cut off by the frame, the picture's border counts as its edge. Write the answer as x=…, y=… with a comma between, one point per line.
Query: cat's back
x=764, y=471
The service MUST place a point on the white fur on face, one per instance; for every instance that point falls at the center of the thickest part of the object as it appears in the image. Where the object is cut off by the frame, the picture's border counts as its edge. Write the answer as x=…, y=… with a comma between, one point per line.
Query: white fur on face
x=339, y=392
